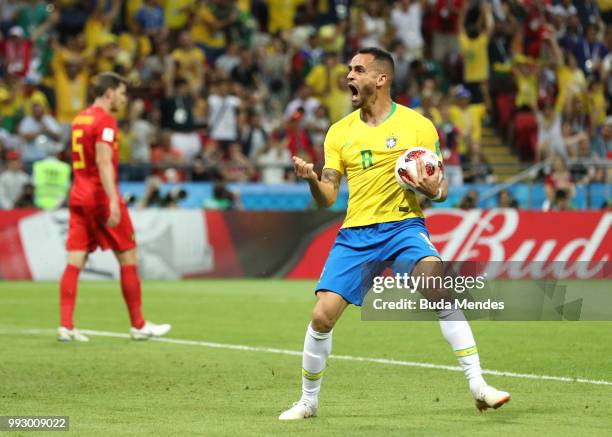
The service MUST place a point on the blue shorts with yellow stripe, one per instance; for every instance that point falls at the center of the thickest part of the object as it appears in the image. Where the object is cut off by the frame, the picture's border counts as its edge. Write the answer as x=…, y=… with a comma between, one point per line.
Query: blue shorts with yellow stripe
x=362, y=252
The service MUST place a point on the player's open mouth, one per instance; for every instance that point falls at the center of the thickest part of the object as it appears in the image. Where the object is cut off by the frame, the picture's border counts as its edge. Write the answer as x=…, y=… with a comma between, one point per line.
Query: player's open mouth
x=354, y=92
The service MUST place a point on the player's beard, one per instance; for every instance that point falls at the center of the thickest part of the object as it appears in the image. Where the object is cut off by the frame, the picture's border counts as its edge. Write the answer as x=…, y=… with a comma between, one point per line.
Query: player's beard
x=365, y=95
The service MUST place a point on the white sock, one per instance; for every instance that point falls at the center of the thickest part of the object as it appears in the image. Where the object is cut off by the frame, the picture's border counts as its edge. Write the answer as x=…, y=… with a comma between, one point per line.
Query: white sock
x=457, y=332
x=317, y=347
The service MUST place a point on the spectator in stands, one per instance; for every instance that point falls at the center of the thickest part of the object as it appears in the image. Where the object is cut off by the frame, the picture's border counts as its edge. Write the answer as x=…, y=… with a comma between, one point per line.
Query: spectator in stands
x=30, y=93
x=474, y=42
x=150, y=18
x=275, y=64
x=401, y=77
x=141, y=133
x=16, y=52
x=449, y=144
x=107, y=53
x=273, y=162
x=583, y=168
x=596, y=101
x=207, y=30
x=562, y=201
x=443, y=22
x=406, y=17
x=589, y=50
x=477, y=169
x=526, y=73
x=428, y=107
x=254, y=136
x=304, y=101
x=297, y=138
x=572, y=82
x=317, y=129
x=106, y=35
x=158, y=68
x=576, y=116
x=177, y=115
x=558, y=186
x=39, y=25
x=189, y=61
x=372, y=26
x=177, y=15
x=9, y=12
x=470, y=200
x=165, y=155
x=506, y=200
x=465, y=121
x=26, y=199
x=550, y=137
x=246, y=73
x=328, y=82
x=41, y=134
x=207, y=165
x=500, y=57
x=12, y=181
x=51, y=180
x=229, y=60
x=100, y=21
x=8, y=141
x=237, y=167
x=223, y=110
x=71, y=82
x=602, y=143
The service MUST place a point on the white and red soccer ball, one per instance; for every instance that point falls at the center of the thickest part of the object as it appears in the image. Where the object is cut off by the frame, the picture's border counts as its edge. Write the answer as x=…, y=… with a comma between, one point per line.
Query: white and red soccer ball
x=406, y=165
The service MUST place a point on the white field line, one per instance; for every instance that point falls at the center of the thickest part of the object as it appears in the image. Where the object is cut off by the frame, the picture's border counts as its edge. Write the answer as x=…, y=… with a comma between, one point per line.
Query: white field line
x=240, y=347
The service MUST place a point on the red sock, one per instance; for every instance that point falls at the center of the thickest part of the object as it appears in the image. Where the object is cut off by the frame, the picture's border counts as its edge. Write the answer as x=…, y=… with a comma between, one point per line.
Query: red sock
x=68, y=293
x=130, y=286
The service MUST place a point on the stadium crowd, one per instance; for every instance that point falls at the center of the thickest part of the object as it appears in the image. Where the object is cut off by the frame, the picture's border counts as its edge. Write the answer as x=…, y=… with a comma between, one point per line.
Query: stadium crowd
x=229, y=90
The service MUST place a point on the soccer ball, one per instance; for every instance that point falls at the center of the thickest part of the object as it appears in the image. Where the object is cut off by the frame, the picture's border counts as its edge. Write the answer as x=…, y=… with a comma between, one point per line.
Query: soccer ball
x=406, y=165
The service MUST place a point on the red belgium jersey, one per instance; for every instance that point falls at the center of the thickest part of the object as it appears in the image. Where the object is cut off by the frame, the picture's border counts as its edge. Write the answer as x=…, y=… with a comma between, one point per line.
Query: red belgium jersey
x=91, y=126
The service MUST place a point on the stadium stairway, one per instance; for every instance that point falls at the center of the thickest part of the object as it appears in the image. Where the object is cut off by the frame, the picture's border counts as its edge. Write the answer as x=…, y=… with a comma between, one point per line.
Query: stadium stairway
x=503, y=160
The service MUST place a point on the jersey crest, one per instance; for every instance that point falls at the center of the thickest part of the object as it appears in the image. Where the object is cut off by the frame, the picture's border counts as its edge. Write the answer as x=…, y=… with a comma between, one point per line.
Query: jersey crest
x=391, y=142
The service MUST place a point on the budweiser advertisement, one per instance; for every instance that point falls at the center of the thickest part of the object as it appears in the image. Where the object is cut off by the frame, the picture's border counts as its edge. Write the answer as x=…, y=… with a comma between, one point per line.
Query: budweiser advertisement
x=506, y=242
x=191, y=243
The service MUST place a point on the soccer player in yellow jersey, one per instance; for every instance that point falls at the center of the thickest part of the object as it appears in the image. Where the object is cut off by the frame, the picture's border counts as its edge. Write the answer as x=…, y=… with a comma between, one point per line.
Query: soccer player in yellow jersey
x=383, y=223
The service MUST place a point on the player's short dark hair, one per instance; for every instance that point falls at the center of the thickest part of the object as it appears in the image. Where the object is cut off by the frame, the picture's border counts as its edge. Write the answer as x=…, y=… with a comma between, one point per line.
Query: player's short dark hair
x=106, y=81
x=380, y=55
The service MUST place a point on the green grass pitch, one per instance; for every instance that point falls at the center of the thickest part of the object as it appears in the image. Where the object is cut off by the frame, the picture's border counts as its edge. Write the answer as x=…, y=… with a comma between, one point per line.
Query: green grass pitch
x=113, y=386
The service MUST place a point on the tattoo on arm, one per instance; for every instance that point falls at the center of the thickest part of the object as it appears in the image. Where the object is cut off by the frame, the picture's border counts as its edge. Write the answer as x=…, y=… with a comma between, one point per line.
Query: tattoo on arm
x=331, y=176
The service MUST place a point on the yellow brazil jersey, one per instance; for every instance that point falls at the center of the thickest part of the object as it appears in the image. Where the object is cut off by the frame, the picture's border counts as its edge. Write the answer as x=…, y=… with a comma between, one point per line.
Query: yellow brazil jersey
x=203, y=33
x=368, y=154
x=604, y=5
x=176, y=13
x=475, y=57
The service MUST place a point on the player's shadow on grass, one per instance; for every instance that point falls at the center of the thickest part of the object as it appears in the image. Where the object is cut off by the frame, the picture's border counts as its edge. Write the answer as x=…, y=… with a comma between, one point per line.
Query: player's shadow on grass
x=505, y=415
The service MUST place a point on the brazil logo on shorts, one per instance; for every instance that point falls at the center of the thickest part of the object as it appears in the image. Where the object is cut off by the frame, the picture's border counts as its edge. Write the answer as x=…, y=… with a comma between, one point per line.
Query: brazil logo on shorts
x=391, y=142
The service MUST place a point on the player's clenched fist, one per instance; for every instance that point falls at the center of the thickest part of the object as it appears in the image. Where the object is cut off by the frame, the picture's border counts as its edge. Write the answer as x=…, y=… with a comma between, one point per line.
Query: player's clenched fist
x=304, y=169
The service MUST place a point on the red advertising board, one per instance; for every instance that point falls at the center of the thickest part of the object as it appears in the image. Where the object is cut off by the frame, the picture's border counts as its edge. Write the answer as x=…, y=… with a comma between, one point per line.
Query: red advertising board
x=497, y=235
x=190, y=243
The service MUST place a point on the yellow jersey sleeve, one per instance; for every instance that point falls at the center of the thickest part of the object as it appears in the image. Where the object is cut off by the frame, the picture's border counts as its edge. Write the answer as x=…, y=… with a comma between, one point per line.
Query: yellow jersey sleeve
x=332, y=146
x=464, y=41
x=429, y=138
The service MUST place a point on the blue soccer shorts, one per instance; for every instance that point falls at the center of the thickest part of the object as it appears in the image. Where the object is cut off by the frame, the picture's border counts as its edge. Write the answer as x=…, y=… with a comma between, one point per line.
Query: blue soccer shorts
x=362, y=252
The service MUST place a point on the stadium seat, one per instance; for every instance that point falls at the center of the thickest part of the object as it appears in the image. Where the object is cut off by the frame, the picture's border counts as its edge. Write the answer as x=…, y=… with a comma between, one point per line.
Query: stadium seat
x=525, y=134
x=505, y=109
